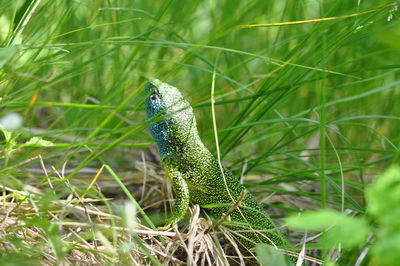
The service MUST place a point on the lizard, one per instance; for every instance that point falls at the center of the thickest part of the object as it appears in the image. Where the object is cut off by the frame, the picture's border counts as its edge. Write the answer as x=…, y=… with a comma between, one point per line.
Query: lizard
x=196, y=174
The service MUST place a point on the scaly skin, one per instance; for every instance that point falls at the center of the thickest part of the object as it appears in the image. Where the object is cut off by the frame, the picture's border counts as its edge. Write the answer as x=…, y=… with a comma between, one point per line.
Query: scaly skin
x=196, y=174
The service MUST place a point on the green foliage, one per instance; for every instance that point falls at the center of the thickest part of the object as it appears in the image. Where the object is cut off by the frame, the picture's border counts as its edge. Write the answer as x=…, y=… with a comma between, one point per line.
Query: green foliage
x=11, y=145
x=306, y=112
x=268, y=255
x=384, y=199
x=340, y=229
x=10, y=141
x=18, y=259
x=351, y=232
x=383, y=205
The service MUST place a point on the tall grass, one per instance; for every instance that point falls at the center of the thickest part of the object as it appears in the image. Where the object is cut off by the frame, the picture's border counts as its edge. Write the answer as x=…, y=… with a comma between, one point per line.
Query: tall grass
x=307, y=113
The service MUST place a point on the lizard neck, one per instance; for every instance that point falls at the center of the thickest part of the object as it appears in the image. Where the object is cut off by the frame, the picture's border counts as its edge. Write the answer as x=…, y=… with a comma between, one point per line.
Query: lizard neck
x=176, y=143
x=162, y=135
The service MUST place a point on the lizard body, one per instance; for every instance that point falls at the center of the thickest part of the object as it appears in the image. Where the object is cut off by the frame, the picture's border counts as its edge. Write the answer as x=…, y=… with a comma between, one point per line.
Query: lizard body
x=196, y=174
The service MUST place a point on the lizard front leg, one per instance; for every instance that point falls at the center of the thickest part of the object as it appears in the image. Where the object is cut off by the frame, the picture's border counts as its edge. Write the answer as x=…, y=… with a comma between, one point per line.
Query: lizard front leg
x=181, y=197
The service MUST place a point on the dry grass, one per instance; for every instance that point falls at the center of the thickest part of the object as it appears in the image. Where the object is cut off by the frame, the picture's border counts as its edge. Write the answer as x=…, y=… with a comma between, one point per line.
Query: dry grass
x=69, y=224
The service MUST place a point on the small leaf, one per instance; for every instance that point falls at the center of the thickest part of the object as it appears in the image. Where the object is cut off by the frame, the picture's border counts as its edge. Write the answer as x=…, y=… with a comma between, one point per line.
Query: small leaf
x=346, y=230
x=38, y=142
x=268, y=255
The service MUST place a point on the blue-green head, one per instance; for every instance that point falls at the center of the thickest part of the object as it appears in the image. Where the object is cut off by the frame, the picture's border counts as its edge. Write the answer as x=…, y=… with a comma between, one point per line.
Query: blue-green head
x=170, y=116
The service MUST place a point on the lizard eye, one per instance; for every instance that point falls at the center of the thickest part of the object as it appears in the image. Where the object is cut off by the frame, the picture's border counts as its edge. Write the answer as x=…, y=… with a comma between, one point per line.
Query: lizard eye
x=153, y=97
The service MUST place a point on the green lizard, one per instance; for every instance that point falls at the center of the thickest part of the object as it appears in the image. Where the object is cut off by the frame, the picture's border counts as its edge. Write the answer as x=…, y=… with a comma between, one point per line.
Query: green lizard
x=197, y=175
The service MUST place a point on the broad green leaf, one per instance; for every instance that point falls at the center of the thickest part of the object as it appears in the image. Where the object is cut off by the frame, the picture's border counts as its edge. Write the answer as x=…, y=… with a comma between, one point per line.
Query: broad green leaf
x=269, y=256
x=384, y=197
x=386, y=250
x=339, y=228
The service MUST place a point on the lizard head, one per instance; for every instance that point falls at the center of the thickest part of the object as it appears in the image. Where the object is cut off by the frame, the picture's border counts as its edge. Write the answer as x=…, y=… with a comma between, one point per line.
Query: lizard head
x=164, y=99
x=170, y=116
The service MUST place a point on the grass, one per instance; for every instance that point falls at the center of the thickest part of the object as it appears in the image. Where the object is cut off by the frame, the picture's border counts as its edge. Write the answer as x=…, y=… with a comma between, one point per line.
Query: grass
x=305, y=112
